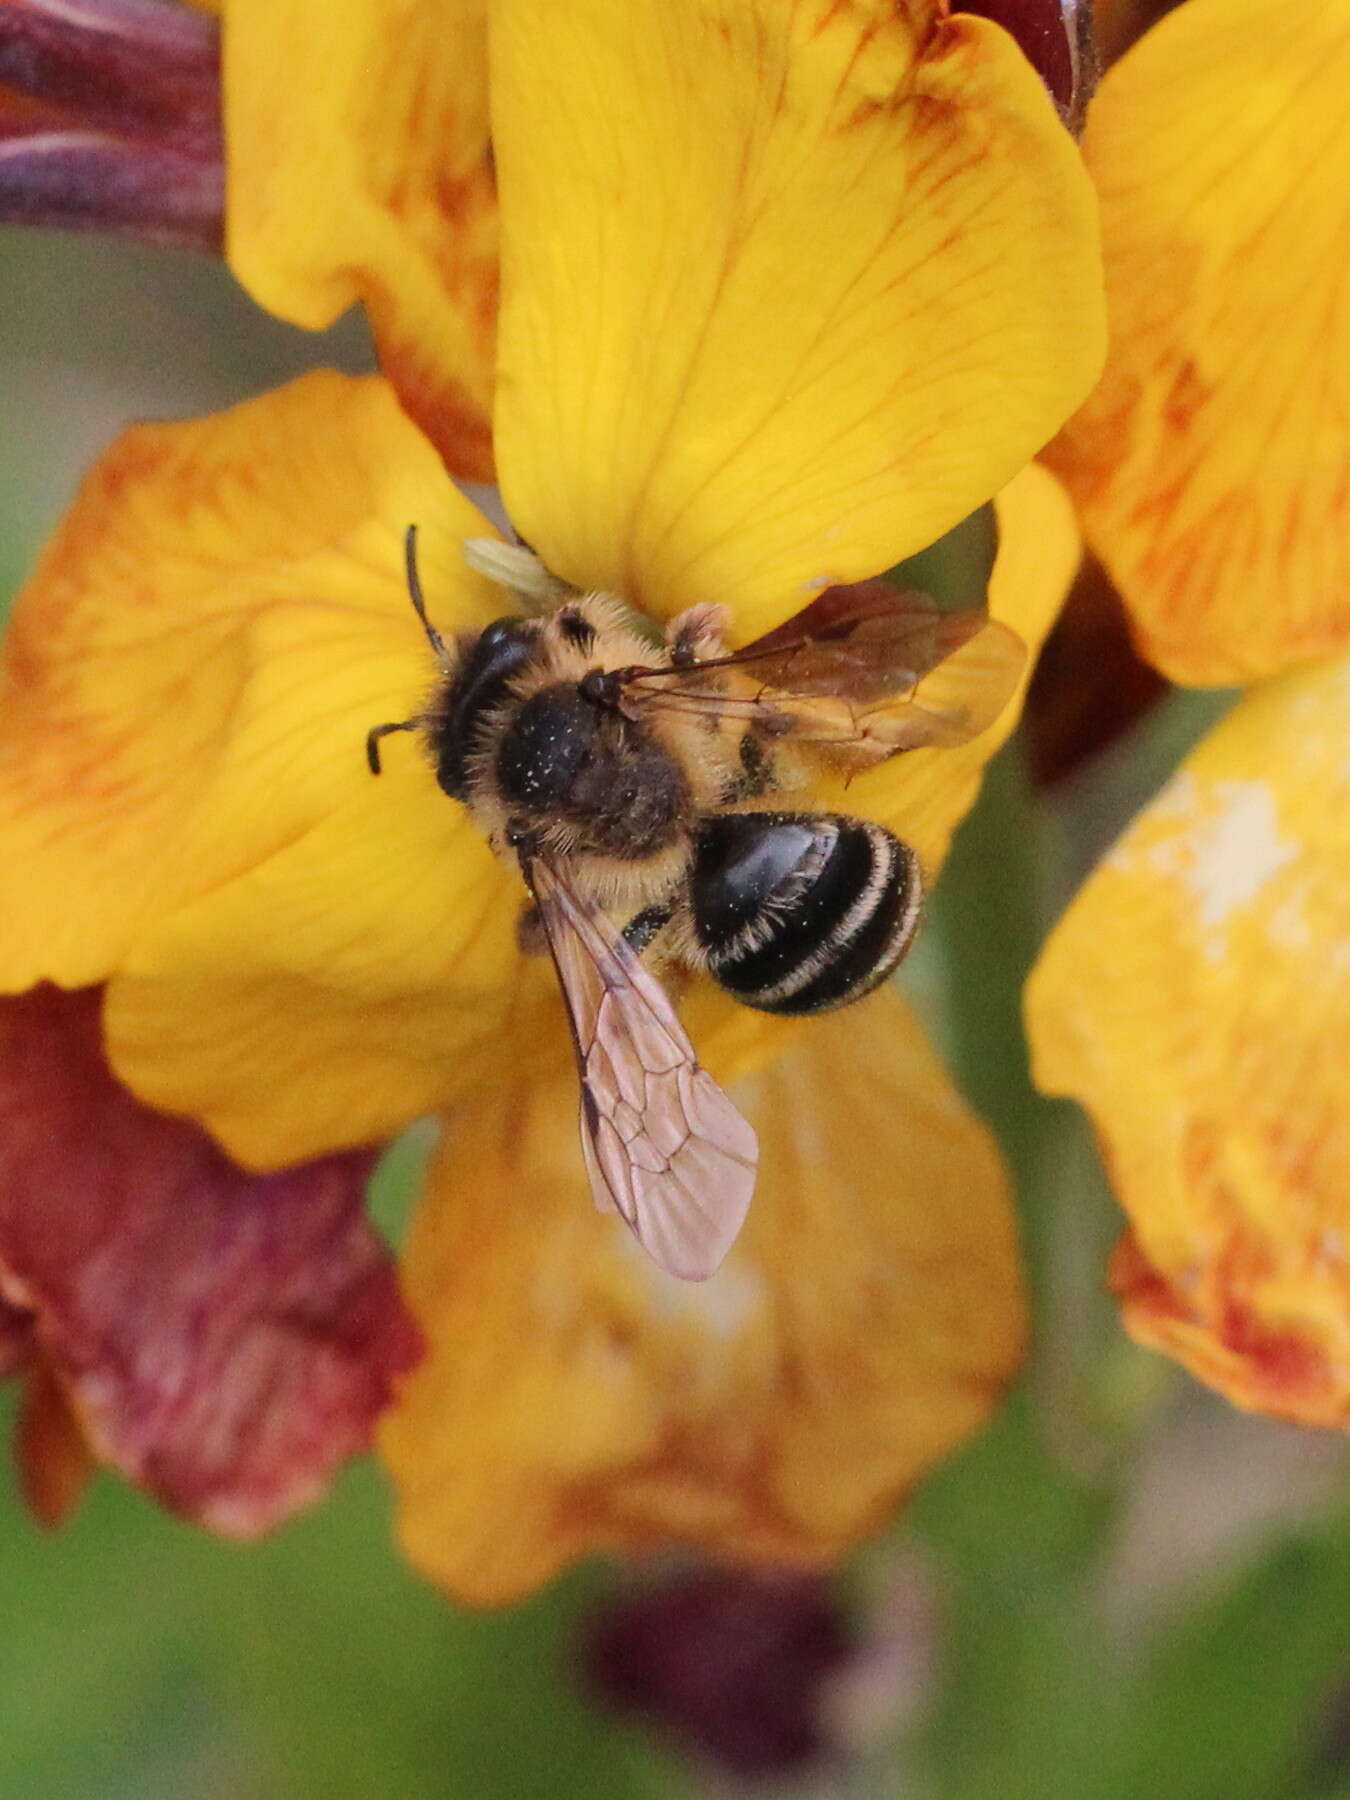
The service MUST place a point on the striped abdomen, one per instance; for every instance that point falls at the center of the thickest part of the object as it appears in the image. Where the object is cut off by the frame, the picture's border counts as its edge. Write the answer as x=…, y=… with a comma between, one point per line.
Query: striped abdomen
x=798, y=912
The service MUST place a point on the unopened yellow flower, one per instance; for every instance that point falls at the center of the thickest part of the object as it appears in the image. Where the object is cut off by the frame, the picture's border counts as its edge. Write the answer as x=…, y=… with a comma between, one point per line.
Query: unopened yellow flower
x=784, y=295
x=1196, y=997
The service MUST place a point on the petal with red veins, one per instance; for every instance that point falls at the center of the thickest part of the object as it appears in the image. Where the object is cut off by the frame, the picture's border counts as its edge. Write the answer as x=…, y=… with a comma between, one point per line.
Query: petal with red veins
x=358, y=169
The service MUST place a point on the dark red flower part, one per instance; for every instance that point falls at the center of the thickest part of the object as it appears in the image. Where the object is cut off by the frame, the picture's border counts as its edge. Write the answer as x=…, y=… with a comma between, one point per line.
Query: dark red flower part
x=1056, y=37
x=16, y=1338
x=223, y=1338
x=131, y=66
x=1090, y=684
x=733, y=1661
x=110, y=119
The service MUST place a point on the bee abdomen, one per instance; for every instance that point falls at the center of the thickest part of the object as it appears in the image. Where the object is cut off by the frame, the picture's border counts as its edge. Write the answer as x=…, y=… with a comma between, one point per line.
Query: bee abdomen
x=800, y=912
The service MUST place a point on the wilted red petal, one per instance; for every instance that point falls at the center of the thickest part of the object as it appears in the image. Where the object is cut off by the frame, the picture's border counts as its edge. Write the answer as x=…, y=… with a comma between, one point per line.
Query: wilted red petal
x=110, y=120
x=133, y=67
x=225, y=1339
x=85, y=181
x=16, y=1337
x=20, y=115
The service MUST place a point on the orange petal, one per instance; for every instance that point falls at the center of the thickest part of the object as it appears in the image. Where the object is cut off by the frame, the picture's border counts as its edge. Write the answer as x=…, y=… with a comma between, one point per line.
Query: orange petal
x=790, y=292
x=1196, y=999
x=574, y=1398
x=358, y=169
x=190, y=673
x=1212, y=464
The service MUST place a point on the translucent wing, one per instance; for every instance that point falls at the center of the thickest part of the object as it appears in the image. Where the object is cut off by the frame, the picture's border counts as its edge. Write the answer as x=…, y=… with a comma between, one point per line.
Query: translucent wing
x=868, y=641
x=664, y=1147
x=868, y=669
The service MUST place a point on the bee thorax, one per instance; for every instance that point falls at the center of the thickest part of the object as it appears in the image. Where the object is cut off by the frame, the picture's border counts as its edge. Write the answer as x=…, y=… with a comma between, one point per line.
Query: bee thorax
x=563, y=759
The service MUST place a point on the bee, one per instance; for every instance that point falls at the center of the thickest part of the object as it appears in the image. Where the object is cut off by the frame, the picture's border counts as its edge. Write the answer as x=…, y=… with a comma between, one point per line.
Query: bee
x=638, y=788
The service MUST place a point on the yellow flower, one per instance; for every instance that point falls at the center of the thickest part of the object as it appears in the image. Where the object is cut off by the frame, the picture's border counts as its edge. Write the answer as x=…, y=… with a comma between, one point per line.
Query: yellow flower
x=1209, y=465
x=784, y=295
x=1196, y=997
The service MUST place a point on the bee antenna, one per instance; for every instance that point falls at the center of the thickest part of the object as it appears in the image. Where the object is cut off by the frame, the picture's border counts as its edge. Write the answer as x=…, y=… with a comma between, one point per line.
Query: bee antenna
x=434, y=637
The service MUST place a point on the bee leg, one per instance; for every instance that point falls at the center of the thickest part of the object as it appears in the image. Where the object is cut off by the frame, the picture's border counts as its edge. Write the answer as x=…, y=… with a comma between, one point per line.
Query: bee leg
x=643, y=926
x=530, y=936
x=377, y=732
x=697, y=635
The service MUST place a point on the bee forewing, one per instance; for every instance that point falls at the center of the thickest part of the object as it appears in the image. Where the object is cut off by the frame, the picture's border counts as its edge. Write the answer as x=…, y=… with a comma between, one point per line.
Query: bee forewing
x=865, y=643
x=869, y=670
x=962, y=695
x=663, y=1146
x=869, y=718
x=953, y=703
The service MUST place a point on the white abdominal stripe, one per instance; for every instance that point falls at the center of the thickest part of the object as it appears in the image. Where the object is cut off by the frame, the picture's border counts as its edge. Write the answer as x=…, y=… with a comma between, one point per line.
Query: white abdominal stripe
x=831, y=928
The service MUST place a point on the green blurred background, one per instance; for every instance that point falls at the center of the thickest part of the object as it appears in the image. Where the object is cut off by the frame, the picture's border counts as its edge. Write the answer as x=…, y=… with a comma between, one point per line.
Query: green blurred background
x=1124, y=1589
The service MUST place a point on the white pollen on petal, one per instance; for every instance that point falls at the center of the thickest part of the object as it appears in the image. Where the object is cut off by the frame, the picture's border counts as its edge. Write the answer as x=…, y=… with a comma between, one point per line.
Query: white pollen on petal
x=1180, y=799
x=1223, y=855
x=1236, y=850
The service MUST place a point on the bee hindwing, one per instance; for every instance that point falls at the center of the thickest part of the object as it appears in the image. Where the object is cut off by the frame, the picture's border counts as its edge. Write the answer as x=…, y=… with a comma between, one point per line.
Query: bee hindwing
x=664, y=1147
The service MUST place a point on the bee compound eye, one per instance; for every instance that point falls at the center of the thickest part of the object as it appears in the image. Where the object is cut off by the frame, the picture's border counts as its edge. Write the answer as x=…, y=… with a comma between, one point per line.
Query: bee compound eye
x=499, y=632
x=481, y=681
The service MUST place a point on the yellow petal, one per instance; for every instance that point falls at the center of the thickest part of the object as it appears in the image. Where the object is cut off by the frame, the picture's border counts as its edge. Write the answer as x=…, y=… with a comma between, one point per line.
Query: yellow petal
x=189, y=674
x=357, y=169
x=1196, y=999
x=1212, y=464
x=923, y=795
x=363, y=975
x=787, y=293
x=575, y=1399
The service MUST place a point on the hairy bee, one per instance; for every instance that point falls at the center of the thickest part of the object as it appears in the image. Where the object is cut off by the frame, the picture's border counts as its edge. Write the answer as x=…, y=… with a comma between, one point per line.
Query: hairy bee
x=638, y=790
